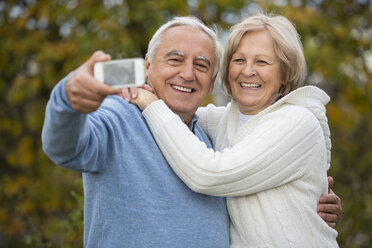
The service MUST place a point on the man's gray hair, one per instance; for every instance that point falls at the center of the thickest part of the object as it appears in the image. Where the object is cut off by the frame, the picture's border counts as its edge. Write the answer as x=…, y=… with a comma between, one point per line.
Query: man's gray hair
x=185, y=21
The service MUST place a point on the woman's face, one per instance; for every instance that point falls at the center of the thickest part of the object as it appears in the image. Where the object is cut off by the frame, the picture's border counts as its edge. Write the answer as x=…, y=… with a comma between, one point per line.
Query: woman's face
x=254, y=73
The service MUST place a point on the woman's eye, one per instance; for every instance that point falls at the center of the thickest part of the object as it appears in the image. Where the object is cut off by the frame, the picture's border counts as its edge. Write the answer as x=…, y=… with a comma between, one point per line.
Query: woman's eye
x=238, y=60
x=262, y=62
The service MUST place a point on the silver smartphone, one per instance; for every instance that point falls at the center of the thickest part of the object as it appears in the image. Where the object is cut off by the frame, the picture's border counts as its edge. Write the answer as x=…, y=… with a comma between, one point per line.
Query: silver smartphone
x=121, y=73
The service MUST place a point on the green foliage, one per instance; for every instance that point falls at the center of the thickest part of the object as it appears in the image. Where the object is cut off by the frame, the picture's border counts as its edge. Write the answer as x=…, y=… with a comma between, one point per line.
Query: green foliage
x=42, y=41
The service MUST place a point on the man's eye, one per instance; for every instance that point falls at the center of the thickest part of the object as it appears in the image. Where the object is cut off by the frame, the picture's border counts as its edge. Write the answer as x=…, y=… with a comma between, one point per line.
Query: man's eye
x=202, y=67
x=174, y=61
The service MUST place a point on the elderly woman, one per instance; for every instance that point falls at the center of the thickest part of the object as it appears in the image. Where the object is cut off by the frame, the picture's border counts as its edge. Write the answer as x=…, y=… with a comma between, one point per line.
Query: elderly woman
x=272, y=141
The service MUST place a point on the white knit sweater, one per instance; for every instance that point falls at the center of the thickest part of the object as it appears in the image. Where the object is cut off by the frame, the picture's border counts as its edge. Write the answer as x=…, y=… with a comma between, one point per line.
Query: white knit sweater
x=273, y=169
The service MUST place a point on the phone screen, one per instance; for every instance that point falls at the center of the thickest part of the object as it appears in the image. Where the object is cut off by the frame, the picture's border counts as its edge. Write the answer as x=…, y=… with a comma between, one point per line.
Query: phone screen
x=119, y=73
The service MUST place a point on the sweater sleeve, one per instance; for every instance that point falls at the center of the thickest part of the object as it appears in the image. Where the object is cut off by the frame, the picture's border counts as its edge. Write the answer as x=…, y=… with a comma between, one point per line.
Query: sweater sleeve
x=67, y=137
x=209, y=118
x=270, y=156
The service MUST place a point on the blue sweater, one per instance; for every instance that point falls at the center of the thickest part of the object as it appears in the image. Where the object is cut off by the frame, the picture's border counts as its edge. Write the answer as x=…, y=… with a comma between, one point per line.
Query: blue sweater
x=131, y=196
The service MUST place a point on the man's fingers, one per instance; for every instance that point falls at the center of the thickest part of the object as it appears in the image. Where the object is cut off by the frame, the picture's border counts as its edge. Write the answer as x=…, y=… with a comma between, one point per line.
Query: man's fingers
x=329, y=198
x=97, y=56
x=330, y=212
x=88, y=82
x=83, y=85
x=328, y=208
x=84, y=92
x=332, y=224
x=84, y=100
x=102, y=89
x=330, y=183
x=329, y=218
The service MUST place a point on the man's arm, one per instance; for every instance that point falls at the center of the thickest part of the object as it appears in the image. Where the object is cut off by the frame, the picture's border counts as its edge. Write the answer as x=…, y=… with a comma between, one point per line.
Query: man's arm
x=66, y=127
x=329, y=206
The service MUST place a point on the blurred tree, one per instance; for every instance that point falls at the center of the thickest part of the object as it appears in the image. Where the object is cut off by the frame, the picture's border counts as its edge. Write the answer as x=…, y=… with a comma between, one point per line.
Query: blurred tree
x=42, y=41
x=337, y=38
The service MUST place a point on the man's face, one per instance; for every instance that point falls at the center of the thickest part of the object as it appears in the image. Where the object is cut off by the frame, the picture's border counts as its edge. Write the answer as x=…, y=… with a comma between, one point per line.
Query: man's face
x=181, y=73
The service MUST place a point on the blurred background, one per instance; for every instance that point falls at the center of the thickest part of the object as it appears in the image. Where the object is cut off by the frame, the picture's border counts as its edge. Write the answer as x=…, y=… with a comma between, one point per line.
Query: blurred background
x=41, y=204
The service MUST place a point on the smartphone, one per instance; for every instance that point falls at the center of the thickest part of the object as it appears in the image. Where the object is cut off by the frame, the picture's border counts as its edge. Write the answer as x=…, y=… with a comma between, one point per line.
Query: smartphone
x=121, y=73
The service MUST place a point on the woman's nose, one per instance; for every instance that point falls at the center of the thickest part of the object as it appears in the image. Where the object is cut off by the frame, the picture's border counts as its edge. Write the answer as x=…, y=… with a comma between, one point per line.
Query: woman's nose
x=249, y=70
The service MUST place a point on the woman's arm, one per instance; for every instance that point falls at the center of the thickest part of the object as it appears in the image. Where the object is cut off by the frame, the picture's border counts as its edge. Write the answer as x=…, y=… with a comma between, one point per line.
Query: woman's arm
x=270, y=156
x=209, y=117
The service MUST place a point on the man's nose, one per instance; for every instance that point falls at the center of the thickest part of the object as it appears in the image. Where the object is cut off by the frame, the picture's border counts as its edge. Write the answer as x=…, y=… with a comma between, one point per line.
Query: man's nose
x=187, y=72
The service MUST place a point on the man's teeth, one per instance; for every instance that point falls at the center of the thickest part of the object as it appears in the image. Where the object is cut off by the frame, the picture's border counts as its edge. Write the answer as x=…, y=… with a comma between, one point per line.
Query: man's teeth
x=249, y=85
x=182, y=88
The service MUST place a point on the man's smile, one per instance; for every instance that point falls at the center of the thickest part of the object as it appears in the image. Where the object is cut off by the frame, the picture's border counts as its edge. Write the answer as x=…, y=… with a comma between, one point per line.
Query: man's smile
x=183, y=89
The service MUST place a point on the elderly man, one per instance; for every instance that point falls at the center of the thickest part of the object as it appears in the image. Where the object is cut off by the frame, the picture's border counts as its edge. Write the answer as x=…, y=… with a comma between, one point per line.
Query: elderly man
x=132, y=197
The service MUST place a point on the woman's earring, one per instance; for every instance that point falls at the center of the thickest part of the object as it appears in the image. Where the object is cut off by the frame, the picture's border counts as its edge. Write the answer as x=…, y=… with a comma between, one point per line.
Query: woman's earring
x=281, y=92
x=280, y=95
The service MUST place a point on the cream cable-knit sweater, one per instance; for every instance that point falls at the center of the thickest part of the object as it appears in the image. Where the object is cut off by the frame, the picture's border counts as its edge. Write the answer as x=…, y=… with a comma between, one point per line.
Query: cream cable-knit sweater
x=273, y=169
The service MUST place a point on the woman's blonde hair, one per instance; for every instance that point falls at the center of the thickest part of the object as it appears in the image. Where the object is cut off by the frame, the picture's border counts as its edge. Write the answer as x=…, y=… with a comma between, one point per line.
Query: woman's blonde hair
x=287, y=46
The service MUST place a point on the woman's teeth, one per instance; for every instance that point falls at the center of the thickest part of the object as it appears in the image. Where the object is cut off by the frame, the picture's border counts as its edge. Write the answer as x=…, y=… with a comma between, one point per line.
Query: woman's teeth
x=250, y=85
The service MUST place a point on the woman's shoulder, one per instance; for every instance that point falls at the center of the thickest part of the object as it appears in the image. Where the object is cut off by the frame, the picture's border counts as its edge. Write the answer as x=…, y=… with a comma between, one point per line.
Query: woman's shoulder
x=114, y=109
x=307, y=96
x=212, y=110
x=307, y=100
x=212, y=113
x=288, y=115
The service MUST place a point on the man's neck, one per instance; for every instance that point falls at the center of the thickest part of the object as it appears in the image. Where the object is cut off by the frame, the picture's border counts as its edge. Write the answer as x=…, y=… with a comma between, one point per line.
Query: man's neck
x=186, y=118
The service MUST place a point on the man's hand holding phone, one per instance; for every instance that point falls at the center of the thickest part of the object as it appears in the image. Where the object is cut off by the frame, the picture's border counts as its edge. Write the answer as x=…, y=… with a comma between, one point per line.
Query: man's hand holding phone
x=87, y=86
x=126, y=74
x=84, y=92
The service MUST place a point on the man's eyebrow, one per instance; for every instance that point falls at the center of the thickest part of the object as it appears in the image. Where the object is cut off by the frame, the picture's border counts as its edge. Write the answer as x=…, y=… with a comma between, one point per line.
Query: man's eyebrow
x=174, y=52
x=204, y=58
x=179, y=53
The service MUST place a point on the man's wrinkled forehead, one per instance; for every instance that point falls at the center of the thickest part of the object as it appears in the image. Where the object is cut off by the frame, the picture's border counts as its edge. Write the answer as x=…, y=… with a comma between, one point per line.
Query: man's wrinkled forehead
x=194, y=30
x=182, y=54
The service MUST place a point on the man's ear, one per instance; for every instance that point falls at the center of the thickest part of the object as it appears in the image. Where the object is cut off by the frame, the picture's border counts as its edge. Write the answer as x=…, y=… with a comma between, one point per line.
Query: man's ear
x=212, y=84
x=147, y=69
